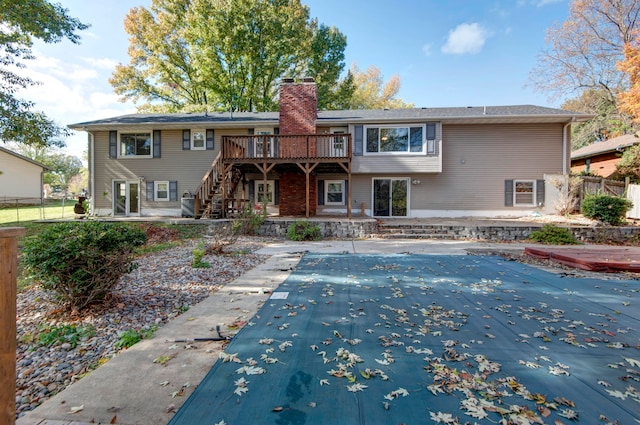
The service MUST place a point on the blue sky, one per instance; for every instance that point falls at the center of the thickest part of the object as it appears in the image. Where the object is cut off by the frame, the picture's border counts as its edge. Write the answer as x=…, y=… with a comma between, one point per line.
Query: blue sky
x=446, y=52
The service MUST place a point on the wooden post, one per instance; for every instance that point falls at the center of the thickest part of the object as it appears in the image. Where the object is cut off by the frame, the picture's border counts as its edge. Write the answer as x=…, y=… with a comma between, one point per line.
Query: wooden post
x=8, y=269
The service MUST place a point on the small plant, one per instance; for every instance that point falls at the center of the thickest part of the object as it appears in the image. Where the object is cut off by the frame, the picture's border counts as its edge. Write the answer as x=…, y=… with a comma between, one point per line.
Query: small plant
x=198, y=253
x=70, y=334
x=553, y=235
x=303, y=230
x=606, y=208
x=131, y=337
x=81, y=261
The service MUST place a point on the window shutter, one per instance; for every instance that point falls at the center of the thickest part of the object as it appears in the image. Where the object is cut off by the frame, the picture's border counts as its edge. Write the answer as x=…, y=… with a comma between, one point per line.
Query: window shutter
x=150, y=193
x=113, y=144
x=357, y=140
x=186, y=140
x=156, y=143
x=210, y=139
x=276, y=130
x=173, y=190
x=276, y=192
x=540, y=192
x=252, y=190
x=320, y=192
x=508, y=193
x=431, y=131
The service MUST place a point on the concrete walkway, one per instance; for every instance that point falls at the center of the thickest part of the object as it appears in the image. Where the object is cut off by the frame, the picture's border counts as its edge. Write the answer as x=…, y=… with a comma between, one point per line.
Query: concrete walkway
x=133, y=389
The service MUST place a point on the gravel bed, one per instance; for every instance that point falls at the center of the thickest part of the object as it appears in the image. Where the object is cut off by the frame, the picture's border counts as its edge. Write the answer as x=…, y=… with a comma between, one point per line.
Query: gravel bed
x=162, y=287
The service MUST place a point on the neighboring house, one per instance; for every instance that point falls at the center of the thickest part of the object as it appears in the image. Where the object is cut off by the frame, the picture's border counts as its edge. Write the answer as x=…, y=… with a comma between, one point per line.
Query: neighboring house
x=20, y=178
x=420, y=162
x=601, y=158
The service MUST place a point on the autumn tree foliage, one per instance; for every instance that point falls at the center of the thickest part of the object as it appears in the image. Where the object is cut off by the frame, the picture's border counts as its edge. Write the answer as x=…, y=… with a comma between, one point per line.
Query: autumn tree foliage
x=580, y=59
x=226, y=55
x=630, y=100
x=20, y=24
x=371, y=92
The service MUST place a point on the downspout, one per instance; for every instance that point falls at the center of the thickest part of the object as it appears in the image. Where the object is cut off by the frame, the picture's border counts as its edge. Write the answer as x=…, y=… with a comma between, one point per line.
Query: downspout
x=91, y=165
x=565, y=140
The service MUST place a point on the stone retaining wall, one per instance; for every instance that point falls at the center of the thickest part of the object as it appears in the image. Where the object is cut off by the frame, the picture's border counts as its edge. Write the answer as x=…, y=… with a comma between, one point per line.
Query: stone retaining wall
x=340, y=229
x=366, y=228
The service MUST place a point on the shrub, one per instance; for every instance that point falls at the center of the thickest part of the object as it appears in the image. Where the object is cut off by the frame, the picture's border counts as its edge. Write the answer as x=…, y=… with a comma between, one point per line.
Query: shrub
x=302, y=230
x=606, y=208
x=81, y=262
x=131, y=337
x=553, y=235
x=249, y=221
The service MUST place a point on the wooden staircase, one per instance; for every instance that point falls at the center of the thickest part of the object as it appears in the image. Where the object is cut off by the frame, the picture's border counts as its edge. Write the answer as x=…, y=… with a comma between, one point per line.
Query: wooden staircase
x=208, y=198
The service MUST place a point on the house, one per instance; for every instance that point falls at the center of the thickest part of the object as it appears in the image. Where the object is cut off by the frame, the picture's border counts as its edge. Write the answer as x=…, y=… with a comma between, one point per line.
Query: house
x=21, y=178
x=421, y=162
x=601, y=158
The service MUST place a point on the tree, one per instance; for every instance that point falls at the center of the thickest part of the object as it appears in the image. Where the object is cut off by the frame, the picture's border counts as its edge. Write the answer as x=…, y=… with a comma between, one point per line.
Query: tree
x=581, y=56
x=372, y=93
x=629, y=164
x=19, y=25
x=224, y=55
x=630, y=100
x=63, y=169
x=606, y=124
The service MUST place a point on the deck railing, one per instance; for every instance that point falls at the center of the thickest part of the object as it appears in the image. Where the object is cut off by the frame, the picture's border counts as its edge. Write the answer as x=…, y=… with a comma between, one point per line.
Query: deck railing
x=288, y=147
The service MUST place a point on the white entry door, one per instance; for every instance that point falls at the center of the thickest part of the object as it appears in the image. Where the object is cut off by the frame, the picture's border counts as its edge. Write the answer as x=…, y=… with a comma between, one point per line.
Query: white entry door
x=126, y=198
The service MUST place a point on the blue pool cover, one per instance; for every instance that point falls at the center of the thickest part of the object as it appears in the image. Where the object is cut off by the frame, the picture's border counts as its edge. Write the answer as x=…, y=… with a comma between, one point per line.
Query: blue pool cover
x=422, y=339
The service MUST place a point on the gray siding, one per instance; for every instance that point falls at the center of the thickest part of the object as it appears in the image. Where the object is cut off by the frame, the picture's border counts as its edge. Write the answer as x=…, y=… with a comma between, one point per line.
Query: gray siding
x=478, y=158
x=185, y=166
x=380, y=163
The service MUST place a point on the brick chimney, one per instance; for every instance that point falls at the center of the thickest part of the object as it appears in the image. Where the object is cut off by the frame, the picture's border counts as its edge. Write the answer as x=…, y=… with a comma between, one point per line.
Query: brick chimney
x=298, y=112
x=298, y=106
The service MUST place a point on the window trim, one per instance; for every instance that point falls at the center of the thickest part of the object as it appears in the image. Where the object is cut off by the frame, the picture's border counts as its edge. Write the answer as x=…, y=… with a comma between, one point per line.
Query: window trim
x=533, y=193
x=203, y=131
x=327, y=183
x=156, y=198
x=135, y=131
x=423, y=151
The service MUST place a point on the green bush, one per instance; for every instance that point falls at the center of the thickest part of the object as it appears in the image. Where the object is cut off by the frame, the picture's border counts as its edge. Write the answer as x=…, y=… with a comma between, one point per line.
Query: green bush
x=131, y=337
x=302, y=230
x=198, y=254
x=608, y=209
x=81, y=261
x=553, y=235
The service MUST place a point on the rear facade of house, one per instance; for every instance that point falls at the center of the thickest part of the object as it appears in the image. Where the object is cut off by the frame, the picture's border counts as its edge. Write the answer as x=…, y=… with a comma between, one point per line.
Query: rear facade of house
x=420, y=162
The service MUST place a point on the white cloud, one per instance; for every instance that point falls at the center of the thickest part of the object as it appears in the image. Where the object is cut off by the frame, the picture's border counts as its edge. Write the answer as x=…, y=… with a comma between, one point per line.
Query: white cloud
x=426, y=49
x=465, y=38
x=102, y=63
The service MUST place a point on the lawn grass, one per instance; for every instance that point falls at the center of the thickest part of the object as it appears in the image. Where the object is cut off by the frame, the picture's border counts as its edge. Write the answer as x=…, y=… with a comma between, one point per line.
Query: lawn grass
x=11, y=216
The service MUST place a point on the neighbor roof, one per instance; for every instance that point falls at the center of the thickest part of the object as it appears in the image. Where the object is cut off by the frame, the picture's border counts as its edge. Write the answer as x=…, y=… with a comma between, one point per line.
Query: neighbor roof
x=614, y=144
x=24, y=158
x=476, y=114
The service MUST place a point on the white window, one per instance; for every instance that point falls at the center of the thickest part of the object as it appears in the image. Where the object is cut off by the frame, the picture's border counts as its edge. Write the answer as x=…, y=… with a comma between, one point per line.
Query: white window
x=136, y=144
x=524, y=193
x=334, y=192
x=395, y=140
x=161, y=191
x=264, y=194
x=198, y=140
x=259, y=145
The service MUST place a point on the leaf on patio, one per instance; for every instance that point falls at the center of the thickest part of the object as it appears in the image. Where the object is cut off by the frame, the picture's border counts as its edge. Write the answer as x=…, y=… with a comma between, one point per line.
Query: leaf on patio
x=76, y=409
